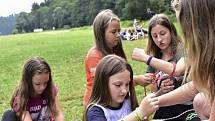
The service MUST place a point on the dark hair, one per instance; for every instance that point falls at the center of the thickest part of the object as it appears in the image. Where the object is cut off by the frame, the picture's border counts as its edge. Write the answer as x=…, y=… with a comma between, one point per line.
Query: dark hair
x=25, y=90
x=107, y=67
x=162, y=19
x=100, y=24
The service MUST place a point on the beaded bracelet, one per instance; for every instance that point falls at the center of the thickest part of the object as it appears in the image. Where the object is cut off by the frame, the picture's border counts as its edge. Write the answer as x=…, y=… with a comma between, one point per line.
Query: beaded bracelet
x=149, y=60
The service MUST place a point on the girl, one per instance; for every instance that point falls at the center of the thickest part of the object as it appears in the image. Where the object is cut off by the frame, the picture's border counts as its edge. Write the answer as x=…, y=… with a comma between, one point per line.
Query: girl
x=197, y=18
x=35, y=99
x=113, y=96
x=165, y=45
x=106, y=27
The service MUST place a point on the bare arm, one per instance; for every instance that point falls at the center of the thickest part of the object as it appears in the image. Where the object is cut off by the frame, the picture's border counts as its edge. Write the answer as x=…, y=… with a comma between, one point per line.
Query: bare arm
x=212, y=114
x=59, y=116
x=26, y=116
x=140, y=55
x=180, y=95
x=143, y=80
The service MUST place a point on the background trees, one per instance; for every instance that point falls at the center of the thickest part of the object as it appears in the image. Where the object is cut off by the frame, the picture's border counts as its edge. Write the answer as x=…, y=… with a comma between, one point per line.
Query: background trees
x=75, y=13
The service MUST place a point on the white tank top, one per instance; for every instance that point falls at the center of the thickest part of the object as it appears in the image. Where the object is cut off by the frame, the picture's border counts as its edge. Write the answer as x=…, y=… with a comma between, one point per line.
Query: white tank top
x=115, y=115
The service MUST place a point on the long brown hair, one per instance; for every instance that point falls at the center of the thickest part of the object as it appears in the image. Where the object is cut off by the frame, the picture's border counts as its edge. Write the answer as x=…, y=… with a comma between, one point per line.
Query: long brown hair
x=25, y=90
x=100, y=24
x=108, y=66
x=197, y=19
x=162, y=19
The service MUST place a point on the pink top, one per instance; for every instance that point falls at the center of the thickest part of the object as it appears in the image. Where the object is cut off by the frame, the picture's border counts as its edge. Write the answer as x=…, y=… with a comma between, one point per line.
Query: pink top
x=37, y=107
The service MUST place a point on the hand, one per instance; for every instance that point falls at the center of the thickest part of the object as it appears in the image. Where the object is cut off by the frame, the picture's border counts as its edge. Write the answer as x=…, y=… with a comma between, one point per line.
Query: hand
x=143, y=80
x=149, y=77
x=139, y=55
x=149, y=105
x=166, y=86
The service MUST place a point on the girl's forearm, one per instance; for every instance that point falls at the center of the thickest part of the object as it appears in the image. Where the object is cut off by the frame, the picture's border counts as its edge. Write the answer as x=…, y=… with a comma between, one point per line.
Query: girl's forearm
x=212, y=114
x=180, y=95
x=60, y=117
x=159, y=64
x=26, y=116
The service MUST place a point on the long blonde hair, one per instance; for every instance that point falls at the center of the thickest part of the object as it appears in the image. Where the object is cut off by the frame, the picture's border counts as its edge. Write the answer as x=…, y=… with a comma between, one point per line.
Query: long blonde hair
x=197, y=19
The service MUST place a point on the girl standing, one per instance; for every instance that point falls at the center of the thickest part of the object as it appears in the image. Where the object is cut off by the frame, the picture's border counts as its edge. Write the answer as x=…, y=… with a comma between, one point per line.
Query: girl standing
x=106, y=28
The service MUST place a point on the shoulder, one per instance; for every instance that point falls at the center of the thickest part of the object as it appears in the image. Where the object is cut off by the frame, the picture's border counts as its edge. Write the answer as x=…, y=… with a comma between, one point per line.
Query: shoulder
x=93, y=57
x=179, y=52
x=55, y=89
x=94, y=52
x=95, y=113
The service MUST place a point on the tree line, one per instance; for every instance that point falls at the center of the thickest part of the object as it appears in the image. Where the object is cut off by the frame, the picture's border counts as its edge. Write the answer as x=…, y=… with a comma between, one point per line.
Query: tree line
x=7, y=24
x=76, y=13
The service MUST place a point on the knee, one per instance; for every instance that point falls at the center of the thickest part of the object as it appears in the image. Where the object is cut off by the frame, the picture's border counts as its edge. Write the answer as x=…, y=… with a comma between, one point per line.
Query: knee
x=197, y=102
x=201, y=106
x=9, y=115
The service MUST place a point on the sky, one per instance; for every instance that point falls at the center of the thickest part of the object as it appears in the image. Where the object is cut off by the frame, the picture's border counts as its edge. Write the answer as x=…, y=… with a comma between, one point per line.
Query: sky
x=8, y=7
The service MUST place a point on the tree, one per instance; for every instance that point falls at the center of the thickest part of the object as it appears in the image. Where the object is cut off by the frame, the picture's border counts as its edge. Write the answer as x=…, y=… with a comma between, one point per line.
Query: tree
x=120, y=5
x=7, y=24
x=22, y=22
x=46, y=18
x=58, y=15
x=35, y=6
x=75, y=13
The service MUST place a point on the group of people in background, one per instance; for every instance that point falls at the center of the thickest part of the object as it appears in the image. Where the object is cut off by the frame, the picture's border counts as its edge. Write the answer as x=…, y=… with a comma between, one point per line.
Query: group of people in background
x=137, y=32
x=180, y=73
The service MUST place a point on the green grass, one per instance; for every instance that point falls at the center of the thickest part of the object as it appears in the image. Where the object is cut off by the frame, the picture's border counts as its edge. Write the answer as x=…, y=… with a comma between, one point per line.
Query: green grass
x=65, y=51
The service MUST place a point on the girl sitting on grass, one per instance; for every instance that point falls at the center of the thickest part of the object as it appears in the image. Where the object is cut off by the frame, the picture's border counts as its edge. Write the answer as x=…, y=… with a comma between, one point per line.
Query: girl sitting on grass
x=35, y=99
x=113, y=97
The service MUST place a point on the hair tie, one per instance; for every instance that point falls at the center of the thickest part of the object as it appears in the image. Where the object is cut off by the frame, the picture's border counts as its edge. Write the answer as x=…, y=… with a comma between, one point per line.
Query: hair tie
x=173, y=71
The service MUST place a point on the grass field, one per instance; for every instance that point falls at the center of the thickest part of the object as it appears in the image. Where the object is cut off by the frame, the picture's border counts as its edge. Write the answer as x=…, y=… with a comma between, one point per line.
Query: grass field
x=65, y=51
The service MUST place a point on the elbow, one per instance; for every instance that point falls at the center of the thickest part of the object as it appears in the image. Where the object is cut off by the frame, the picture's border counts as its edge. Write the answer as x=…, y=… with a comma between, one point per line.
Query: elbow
x=177, y=74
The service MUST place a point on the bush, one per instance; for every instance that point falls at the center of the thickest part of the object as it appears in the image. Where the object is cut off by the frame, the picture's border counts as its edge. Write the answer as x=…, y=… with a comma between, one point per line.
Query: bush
x=126, y=23
x=15, y=31
x=66, y=27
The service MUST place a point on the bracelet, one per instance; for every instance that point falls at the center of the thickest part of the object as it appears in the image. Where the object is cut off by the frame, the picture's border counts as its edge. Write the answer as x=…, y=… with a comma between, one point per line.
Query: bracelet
x=173, y=71
x=149, y=60
x=137, y=116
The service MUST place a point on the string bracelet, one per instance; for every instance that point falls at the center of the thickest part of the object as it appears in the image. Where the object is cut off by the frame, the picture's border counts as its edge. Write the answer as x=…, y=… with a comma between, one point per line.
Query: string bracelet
x=137, y=116
x=173, y=71
x=149, y=60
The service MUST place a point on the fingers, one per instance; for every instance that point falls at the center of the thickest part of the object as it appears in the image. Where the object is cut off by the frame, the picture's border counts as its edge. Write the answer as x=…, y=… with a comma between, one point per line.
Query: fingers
x=166, y=86
x=155, y=104
x=151, y=95
x=153, y=101
x=149, y=104
x=167, y=82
